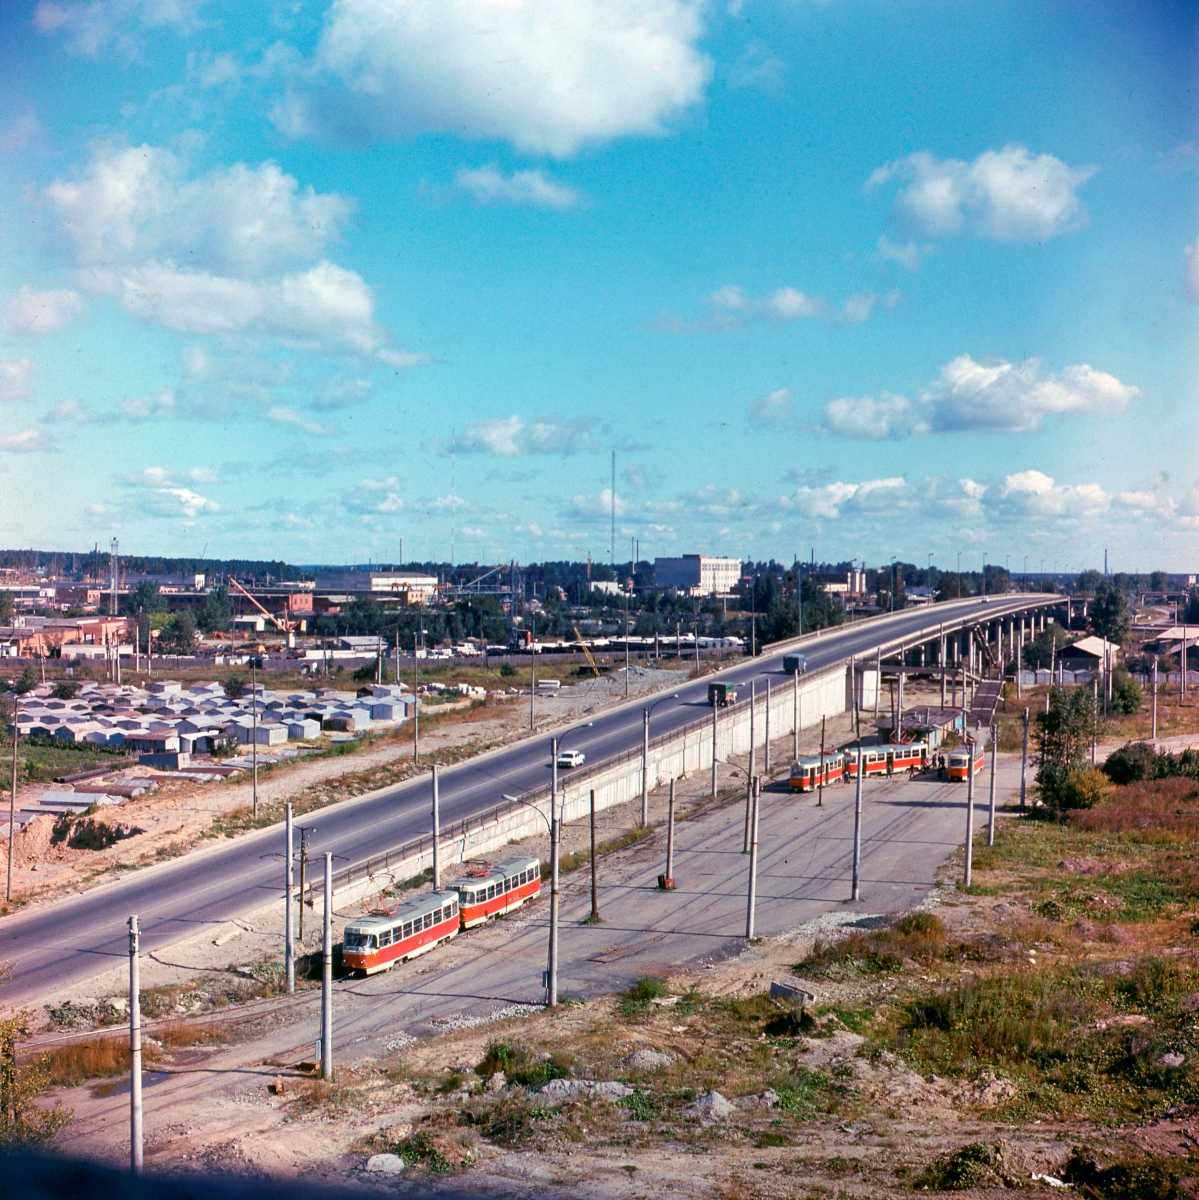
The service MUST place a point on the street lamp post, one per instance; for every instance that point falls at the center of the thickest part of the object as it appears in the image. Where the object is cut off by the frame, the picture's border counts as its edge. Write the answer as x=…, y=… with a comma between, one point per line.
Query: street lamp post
x=645, y=715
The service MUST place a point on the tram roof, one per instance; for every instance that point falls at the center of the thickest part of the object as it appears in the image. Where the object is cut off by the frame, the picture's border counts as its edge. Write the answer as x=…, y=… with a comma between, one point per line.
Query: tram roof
x=414, y=906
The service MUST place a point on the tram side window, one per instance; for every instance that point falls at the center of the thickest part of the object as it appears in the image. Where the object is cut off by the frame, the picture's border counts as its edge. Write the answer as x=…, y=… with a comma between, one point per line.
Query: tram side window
x=491, y=891
x=469, y=898
x=385, y=937
x=407, y=929
x=454, y=906
x=507, y=885
x=428, y=920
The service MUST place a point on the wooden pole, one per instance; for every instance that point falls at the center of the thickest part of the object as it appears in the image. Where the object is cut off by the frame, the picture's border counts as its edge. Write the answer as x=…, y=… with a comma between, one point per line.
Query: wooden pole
x=669, y=882
x=857, y=831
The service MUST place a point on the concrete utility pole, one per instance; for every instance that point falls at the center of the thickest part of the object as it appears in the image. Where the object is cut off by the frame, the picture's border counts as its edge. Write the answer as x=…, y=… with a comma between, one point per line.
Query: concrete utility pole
x=1153, y=731
x=594, y=882
x=991, y=803
x=436, y=834
x=766, y=738
x=713, y=749
x=12, y=795
x=752, y=899
x=135, y=1049
x=254, y=731
x=644, y=767
x=749, y=811
x=968, y=873
x=857, y=831
x=289, y=945
x=327, y=977
x=878, y=679
x=668, y=881
x=415, y=702
x=753, y=713
x=555, y=838
x=795, y=715
x=820, y=775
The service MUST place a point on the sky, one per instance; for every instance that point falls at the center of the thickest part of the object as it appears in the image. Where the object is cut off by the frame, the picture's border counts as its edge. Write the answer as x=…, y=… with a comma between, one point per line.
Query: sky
x=377, y=280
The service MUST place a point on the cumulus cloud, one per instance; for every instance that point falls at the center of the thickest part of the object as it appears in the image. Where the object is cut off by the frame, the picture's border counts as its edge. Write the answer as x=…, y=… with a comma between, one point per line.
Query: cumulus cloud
x=783, y=304
x=597, y=505
x=515, y=437
x=1035, y=494
x=969, y=395
x=830, y=500
x=158, y=407
x=25, y=442
x=546, y=76
x=377, y=496
x=1191, y=258
x=36, y=312
x=91, y=28
x=1008, y=194
x=16, y=376
x=223, y=254
x=522, y=189
x=775, y=408
x=281, y=415
x=155, y=492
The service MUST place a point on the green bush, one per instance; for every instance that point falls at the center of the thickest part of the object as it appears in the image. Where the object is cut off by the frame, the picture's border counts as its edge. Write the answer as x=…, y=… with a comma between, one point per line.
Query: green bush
x=1126, y=693
x=1134, y=762
x=973, y=1164
x=636, y=999
x=507, y=670
x=1084, y=787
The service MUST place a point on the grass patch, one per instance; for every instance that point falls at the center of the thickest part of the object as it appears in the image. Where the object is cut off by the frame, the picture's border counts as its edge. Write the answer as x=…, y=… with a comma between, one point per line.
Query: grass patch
x=572, y=862
x=520, y=1065
x=919, y=936
x=637, y=999
x=974, y=1164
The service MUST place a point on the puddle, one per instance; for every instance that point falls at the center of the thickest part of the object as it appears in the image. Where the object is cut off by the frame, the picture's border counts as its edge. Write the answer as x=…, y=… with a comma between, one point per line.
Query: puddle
x=120, y=1087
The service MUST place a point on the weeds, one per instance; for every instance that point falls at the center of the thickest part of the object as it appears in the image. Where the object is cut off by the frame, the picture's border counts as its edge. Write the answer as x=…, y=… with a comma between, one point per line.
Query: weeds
x=635, y=1001
x=973, y=1164
x=919, y=936
x=520, y=1065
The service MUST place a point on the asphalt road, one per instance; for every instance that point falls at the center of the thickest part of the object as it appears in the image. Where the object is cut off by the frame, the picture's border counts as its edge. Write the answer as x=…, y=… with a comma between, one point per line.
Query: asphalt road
x=56, y=946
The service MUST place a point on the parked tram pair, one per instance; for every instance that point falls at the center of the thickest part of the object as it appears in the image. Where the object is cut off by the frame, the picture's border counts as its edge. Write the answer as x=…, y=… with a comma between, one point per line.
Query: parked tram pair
x=421, y=923
x=809, y=773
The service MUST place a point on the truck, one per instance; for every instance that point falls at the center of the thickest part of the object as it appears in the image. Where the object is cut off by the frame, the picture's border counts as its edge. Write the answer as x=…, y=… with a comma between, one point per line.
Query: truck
x=794, y=664
x=721, y=695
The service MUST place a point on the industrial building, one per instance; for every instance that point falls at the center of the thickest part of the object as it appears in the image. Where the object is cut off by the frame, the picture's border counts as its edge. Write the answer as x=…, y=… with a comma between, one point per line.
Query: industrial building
x=698, y=574
x=405, y=586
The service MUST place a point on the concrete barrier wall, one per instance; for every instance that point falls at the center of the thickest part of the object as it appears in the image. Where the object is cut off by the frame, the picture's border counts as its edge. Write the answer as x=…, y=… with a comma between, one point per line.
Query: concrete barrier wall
x=821, y=694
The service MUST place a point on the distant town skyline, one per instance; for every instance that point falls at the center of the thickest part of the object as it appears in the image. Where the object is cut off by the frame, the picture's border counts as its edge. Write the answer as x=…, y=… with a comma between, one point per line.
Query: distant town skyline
x=317, y=279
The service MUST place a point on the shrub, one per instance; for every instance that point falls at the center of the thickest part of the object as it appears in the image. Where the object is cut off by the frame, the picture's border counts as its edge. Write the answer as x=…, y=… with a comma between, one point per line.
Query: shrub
x=1146, y=1179
x=1126, y=693
x=66, y=689
x=637, y=998
x=1084, y=787
x=1132, y=763
x=235, y=687
x=973, y=1164
x=507, y=670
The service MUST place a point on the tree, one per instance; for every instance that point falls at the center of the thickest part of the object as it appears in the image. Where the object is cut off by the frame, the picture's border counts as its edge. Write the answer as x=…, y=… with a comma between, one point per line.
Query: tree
x=23, y=1122
x=235, y=687
x=1042, y=650
x=1064, y=733
x=215, y=612
x=66, y=689
x=1191, y=612
x=1158, y=581
x=1126, y=693
x=7, y=608
x=1110, y=615
x=181, y=633
x=27, y=682
x=1088, y=582
x=145, y=598
x=950, y=586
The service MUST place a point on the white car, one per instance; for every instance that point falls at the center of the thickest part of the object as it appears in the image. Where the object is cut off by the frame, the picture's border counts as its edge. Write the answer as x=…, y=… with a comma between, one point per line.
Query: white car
x=571, y=758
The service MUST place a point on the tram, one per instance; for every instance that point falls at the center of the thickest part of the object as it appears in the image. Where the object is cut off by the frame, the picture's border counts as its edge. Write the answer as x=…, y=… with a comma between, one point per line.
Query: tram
x=887, y=760
x=958, y=765
x=379, y=941
x=807, y=774
x=490, y=890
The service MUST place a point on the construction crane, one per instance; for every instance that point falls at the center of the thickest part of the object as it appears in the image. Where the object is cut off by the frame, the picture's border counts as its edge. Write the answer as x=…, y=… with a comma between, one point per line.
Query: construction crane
x=285, y=626
x=583, y=647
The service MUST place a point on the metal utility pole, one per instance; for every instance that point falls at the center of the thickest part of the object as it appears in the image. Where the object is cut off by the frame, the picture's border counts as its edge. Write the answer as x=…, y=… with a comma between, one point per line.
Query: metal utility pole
x=532, y=672
x=415, y=702
x=713, y=750
x=436, y=834
x=795, y=715
x=612, y=550
x=12, y=795
x=594, y=882
x=327, y=977
x=857, y=831
x=668, y=881
x=991, y=802
x=766, y=735
x=968, y=872
x=114, y=564
x=1095, y=717
x=627, y=666
x=755, y=793
x=135, y=1046
x=254, y=731
x=289, y=945
x=820, y=776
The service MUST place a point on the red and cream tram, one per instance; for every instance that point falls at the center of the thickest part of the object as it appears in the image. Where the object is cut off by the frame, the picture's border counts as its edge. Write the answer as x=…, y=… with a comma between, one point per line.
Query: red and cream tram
x=492, y=890
x=377, y=942
x=958, y=764
x=807, y=773
x=886, y=760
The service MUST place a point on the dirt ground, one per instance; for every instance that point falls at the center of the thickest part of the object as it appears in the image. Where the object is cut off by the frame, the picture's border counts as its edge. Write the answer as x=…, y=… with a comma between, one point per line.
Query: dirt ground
x=178, y=814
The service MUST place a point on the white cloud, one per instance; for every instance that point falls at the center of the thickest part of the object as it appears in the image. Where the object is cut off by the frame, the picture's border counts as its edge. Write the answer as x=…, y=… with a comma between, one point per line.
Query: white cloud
x=857, y=308
x=831, y=499
x=286, y=416
x=342, y=393
x=1191, y=257
x=27, y=441
x=783, y=304
x=969, y=395
x=95, y=27
x=202, y=475
x=585, y=506
x=136, y=203
x=212, y=255
x=523, y=189
x=775, y=408
x=1033, y=494
x=907, y=255
x=547, y=76
x=16, y=375
x=390, y=484
x=870, y=419
x=1005, y=194
x=514, y=437
x=190, y=503
x=149, y=408
x=41, y=312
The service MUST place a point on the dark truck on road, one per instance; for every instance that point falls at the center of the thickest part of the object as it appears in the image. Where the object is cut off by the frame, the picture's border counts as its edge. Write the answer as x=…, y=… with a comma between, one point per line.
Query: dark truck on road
x=721, y=695
x=794, y=664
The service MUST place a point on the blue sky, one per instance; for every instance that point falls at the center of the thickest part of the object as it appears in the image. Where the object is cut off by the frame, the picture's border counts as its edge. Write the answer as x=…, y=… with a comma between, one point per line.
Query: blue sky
x=866, y=278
